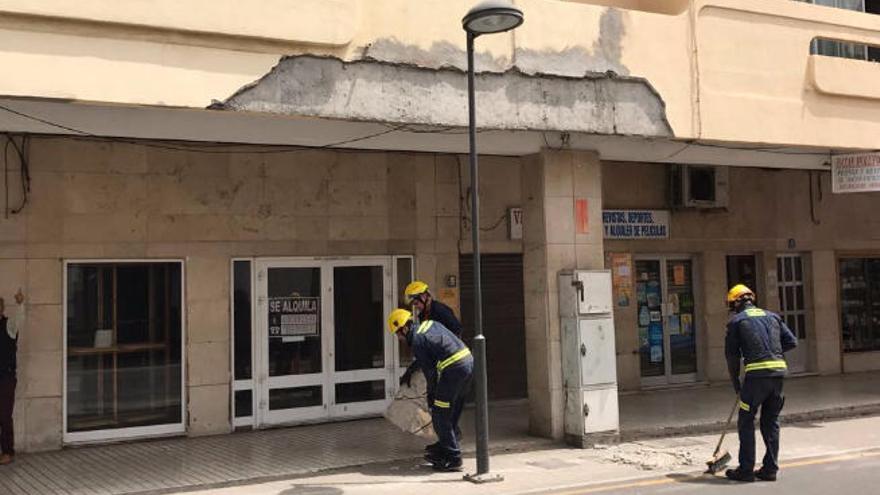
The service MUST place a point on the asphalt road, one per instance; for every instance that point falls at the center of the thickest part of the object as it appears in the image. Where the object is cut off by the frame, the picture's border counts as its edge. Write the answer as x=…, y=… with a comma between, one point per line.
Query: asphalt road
x=852, y=474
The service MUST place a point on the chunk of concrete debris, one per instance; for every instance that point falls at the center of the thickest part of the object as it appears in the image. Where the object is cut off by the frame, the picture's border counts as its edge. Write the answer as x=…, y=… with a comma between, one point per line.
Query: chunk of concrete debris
x=409, y=409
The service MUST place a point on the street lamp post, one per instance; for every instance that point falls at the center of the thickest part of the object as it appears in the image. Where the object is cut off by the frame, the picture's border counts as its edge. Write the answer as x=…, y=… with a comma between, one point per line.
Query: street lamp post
x=488, y=17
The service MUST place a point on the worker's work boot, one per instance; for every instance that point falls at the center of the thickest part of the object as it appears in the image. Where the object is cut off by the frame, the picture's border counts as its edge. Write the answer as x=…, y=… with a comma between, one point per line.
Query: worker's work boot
x=737, y=475
x=765, y=475
x=434, y=458
x=448, y=465
x=432, y=447
x=6, y=459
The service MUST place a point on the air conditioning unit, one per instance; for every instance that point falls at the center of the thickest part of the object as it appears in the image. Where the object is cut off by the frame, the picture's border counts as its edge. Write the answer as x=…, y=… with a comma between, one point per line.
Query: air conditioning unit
x=698, y=186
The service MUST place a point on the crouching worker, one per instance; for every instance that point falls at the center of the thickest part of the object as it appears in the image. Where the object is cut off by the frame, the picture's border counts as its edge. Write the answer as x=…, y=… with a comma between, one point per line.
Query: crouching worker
x=448, y=365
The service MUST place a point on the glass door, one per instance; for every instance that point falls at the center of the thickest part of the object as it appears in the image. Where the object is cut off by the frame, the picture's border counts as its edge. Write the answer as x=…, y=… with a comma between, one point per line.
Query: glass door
x=652, y=348
x=361, y=350
x=292, y=342
x=666, y=320
x=680, y=320
x=322, y=349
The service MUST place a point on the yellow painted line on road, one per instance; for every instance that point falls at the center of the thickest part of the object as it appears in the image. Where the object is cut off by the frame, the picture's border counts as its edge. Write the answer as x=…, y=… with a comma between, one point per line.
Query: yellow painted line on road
x=826, y=460
x=622, y=486
x=666, y=481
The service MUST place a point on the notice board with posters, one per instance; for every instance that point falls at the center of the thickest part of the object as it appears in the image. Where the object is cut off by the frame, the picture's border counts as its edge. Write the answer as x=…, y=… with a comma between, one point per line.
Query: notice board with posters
x=621, y=266
x=294, y=316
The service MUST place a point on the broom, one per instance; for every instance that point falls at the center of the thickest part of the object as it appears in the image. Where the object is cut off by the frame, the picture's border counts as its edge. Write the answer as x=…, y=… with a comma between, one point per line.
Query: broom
x=721, y=458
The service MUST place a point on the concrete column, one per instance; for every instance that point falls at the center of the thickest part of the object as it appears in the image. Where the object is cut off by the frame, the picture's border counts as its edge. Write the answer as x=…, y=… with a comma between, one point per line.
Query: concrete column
x=207, y=345
x=555, y=239
x=827, y=312
x=715, y=315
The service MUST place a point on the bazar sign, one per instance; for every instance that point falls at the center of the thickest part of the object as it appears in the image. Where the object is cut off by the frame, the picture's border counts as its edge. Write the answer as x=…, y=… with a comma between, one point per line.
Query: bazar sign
x=636, y=224
x=855, y=173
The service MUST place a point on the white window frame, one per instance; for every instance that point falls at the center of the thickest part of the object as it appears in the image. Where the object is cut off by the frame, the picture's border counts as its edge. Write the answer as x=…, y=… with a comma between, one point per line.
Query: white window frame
x=99, y=436
x=794, y=284
x=239, y=385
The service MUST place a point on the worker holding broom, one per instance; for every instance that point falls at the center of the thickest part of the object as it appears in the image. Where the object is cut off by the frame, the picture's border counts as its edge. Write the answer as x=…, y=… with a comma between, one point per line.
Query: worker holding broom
x=759, y=338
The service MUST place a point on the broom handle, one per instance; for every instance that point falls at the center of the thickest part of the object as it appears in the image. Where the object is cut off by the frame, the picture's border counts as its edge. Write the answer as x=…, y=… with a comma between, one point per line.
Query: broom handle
x=727, y=425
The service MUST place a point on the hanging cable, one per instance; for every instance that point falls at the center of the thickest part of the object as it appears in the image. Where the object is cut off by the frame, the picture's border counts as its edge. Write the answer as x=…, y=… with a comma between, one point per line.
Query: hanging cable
x=495, y=225
x=6, y=178
x=21, y=151
x=812, y=200
x=24, y=171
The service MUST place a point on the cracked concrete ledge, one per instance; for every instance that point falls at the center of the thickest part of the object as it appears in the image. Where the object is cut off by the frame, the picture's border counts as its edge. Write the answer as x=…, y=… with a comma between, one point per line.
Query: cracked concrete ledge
x=374, y=91
x=834, y=413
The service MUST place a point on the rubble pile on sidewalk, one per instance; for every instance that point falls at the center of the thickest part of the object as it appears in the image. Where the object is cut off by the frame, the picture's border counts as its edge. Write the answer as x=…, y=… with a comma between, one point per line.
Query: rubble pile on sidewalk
x=652, y=456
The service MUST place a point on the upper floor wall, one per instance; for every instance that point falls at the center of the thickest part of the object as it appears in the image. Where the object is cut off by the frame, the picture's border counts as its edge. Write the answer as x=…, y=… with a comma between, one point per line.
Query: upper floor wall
x=727, y=70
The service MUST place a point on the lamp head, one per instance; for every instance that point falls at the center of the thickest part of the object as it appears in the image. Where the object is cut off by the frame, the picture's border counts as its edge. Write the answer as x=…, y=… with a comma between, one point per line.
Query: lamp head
x=492, y=16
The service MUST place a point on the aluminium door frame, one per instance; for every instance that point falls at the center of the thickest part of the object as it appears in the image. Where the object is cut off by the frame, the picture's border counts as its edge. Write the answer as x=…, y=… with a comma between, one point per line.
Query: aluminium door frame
x=328, y=377
x=668, y=378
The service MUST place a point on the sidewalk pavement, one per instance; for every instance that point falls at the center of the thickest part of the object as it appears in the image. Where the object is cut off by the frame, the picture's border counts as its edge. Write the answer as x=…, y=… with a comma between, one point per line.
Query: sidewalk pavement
x=704, y=409
x=680, y=459
x=166, y=466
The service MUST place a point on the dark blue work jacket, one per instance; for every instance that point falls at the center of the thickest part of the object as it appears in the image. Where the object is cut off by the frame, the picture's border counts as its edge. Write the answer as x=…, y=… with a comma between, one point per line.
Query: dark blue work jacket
x=760, y=338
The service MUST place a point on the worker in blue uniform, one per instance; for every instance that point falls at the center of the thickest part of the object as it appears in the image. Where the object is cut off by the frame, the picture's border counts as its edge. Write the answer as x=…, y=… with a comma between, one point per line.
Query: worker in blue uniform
x=760, y=338
x=427, y=308
x=447, y=363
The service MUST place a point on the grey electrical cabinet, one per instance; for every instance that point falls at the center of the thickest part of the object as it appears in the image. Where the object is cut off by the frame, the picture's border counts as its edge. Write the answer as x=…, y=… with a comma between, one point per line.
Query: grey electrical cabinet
x=589, y=360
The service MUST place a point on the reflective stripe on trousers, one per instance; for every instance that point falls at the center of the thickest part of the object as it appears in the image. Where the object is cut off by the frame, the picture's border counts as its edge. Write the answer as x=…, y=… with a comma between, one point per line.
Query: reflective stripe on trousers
x=771, y=364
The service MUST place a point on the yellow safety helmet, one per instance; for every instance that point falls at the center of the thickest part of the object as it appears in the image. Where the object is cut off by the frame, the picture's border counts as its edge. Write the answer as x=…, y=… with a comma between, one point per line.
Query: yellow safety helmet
x=415, y=288
x=397, y=319
x=737, y=291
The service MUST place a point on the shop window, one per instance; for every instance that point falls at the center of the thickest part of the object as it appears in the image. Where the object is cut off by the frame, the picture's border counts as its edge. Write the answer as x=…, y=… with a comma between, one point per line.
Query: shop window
x=124, y=346
x=860, y=304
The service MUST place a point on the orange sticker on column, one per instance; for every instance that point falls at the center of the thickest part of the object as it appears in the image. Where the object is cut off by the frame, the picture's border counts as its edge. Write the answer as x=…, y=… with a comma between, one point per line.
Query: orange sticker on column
x=581, y=218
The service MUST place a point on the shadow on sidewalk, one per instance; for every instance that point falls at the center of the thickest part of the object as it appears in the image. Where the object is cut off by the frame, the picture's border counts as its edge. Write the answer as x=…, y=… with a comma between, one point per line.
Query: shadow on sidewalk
x=699, y=479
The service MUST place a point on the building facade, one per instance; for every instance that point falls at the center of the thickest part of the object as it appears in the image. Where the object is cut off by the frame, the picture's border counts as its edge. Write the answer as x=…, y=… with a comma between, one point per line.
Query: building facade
x=211, y=213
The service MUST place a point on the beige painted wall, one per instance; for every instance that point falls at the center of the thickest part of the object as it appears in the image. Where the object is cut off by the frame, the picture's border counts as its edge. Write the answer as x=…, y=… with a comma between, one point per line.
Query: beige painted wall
x=768, y=207
x=126, y=201
x=728, y=70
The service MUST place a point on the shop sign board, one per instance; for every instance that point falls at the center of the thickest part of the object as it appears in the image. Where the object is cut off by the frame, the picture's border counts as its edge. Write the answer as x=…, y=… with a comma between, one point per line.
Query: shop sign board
x=855, y=173
x=294, y=316
x=636, y=224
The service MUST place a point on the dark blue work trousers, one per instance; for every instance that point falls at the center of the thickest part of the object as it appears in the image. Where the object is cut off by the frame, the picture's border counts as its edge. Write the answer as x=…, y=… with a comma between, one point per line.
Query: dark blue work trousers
x=449, y=397
x=762, y=394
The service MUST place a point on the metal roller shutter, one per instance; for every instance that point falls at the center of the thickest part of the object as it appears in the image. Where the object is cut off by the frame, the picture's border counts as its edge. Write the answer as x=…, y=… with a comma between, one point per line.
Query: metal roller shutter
x=503, y=320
